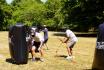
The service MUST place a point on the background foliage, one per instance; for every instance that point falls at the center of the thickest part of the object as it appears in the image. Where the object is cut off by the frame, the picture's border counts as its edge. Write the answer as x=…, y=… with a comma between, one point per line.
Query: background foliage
x=79, y=15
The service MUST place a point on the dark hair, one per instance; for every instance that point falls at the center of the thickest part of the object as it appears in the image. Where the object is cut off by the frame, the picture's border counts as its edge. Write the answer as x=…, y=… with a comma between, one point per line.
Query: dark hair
x=39, y=27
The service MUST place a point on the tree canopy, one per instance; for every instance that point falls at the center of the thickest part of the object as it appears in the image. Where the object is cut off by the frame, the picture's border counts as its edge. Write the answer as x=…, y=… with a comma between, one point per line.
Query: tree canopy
x=79, y=15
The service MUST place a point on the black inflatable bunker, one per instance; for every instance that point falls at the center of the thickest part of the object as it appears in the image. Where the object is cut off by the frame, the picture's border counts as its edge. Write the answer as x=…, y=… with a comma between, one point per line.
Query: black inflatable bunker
x=98, y=62
x=18, y=44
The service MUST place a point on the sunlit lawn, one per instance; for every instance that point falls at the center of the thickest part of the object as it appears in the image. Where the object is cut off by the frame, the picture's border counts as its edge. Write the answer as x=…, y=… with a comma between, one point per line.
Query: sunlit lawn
x=83, y=52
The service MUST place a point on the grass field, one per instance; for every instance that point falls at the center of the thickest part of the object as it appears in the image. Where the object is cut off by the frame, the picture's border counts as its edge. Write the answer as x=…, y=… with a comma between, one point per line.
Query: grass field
x=83, y=52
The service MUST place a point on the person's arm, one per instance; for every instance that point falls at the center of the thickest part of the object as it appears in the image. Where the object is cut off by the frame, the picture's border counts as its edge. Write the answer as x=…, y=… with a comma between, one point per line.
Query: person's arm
x=41, y=41
x=65, y=39
x=41, y=44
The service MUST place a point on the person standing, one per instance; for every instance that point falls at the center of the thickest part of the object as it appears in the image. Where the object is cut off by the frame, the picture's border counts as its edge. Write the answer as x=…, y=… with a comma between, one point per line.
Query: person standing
x=45, y=30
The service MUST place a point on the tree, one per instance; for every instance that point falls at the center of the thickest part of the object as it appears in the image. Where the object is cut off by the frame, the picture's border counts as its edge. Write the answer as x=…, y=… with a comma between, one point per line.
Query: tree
x=53, y=14
x=5, y=15
x=29, y=12
x=83, y=14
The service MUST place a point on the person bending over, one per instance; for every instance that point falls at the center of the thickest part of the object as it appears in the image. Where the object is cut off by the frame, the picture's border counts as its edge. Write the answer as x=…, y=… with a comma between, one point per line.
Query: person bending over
x=70, y=40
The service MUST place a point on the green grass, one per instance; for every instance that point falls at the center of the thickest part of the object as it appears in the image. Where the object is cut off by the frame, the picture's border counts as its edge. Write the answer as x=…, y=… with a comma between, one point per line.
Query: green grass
x=83, y=52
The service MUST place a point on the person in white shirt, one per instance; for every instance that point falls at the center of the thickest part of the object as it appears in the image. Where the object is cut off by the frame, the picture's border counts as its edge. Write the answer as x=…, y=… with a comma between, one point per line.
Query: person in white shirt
x=70, y=40
x=37, y=42
x=45, y=30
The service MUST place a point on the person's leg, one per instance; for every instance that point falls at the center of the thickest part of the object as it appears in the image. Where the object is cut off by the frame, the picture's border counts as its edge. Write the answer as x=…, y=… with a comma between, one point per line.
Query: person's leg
x=33, y=53
x=34, y=49
x=46, y=46
x=45, y=43
x=40, y=49
x=29, y=46
x=42, y=54
x=69, y=49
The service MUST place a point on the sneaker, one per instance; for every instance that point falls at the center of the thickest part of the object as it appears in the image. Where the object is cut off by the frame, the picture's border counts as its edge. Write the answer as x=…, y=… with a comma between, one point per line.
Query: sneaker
x=69, y=57
x=73, y=57
x=33, y=59
x=42, y=60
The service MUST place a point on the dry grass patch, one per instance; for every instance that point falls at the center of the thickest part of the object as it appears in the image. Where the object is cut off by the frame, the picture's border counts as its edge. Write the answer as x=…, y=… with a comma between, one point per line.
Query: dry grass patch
x=83, y=52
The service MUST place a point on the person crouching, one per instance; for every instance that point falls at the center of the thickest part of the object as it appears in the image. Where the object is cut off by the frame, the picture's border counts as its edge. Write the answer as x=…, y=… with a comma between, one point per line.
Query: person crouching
x=37, y=42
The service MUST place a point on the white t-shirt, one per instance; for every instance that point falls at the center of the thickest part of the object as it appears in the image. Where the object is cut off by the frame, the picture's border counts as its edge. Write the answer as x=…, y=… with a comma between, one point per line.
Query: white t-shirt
x=38, y=37
x=71, y=35
x=45, y=33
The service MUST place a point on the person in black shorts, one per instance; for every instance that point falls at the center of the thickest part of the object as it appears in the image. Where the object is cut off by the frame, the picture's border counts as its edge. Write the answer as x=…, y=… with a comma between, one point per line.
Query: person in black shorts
x=45, y=30
x=37, y=42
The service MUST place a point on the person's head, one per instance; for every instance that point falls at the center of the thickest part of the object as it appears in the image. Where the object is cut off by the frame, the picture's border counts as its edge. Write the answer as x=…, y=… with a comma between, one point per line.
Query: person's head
x=44, y=26
x=33, y=30
x=39, y=28
x=19, y=23
x=65, y=28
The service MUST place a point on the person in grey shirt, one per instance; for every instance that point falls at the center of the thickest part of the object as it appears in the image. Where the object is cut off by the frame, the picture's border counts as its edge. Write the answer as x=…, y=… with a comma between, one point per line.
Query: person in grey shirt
x=70, y=40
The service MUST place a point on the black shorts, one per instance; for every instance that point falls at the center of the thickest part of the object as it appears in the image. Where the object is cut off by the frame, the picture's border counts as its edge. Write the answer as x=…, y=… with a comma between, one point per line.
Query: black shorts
x=36, y=44
x=45, y=41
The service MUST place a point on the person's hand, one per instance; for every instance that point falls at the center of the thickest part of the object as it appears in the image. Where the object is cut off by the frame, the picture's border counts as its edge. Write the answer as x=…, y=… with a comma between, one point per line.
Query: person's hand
x=60, y=40
x=39, y=49
x=64, y=41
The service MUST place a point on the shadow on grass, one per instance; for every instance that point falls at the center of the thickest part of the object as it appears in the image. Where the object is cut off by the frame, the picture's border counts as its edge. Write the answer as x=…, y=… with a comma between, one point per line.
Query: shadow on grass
x=90, y=69
x=77, y=34
x=36, y=59
x=9, y=60
x=87, y=69
x=63, y=56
